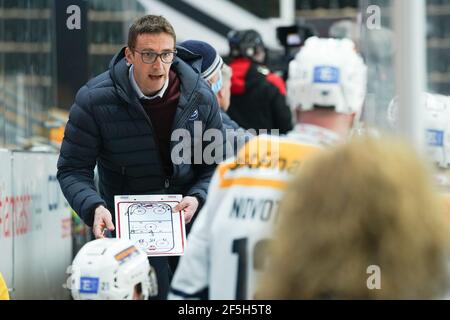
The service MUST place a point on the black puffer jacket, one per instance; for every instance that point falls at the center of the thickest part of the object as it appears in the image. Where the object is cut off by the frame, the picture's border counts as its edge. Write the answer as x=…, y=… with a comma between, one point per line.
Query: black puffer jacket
x=108, y=126
x=257, y=101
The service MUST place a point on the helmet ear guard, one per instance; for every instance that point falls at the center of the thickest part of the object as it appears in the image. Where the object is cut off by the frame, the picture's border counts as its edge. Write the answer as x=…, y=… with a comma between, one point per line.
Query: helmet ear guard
x=250, y=52
x=245, y=43
x=111, y=269
x=318, y=78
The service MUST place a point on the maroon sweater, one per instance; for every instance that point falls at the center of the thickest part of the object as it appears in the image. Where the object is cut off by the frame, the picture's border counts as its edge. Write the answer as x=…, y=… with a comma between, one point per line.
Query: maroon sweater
x=161, y=112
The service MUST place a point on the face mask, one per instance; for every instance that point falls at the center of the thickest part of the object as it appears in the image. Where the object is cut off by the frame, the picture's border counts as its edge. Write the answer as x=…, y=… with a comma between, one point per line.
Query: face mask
x=216, y=86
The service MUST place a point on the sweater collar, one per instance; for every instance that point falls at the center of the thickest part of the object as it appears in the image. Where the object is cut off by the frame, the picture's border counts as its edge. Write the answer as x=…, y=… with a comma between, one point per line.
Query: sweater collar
x=138, y=90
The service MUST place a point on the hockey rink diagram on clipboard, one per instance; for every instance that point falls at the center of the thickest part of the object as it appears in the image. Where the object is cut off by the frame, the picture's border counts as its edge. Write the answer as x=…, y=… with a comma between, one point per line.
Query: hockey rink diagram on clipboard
x=149, y=222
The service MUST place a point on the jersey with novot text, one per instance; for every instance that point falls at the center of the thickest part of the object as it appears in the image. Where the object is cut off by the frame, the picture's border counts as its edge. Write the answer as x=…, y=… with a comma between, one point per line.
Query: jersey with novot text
x=226, y=249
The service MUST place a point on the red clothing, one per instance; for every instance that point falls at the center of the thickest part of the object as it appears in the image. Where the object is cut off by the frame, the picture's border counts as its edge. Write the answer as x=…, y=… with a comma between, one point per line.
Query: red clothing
x=277, y=81
x=161, y=112
x=241, y=66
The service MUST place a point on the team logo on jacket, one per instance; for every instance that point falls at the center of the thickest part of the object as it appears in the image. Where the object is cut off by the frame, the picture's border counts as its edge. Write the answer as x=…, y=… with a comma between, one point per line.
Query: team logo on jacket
x=194, y=116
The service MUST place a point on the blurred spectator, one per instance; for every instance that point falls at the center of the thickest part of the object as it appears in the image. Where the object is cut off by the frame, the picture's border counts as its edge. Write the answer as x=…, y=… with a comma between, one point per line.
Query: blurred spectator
x=337, y=227
x=112, y=269
x=257, y=95
x=227, y=244
x=346, y=29
x=378, y=50
x=436, y=124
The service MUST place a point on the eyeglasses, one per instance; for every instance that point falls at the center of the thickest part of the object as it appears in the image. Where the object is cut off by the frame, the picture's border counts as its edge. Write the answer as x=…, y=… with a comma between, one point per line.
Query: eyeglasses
x=150, y=56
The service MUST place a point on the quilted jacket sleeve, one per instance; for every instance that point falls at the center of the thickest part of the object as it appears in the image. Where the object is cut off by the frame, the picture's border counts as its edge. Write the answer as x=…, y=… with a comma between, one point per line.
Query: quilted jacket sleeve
x=77, y=159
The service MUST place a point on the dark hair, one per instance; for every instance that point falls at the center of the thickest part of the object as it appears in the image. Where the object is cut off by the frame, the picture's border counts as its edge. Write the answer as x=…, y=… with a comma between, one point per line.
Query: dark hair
x=149, y=24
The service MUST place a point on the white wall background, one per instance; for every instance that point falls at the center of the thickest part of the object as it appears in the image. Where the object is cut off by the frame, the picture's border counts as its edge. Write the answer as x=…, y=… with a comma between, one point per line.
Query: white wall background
x=37, y=251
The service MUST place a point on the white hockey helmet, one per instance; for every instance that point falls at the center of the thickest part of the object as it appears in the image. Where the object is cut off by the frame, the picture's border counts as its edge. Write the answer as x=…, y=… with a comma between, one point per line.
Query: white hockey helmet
x=327, y=73
x=110, y=269
x=436, y=120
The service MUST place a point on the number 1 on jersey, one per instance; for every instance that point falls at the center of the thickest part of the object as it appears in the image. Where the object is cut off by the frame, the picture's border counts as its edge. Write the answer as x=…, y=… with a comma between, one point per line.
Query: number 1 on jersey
x=259, y=257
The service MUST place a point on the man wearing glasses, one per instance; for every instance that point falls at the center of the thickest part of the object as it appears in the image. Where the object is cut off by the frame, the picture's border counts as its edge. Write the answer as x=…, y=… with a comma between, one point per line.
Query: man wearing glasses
x=123, y=120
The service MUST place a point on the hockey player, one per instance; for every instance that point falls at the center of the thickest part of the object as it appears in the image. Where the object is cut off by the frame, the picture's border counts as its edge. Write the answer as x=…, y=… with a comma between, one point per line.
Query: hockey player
x=227, y=244
x=436, y=121
x=112, y=269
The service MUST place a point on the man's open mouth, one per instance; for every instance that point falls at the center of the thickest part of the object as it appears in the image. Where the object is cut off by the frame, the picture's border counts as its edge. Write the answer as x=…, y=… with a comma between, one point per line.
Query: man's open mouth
x=155, y=77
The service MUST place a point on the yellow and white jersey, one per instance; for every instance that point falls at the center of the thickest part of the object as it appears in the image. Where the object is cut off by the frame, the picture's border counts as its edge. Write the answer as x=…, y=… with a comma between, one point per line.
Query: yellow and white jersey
x=227, y=244
x=4, y=295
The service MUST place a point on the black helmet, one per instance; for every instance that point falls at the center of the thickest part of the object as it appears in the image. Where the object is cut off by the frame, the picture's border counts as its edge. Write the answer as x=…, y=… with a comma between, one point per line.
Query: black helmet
x=244, y=43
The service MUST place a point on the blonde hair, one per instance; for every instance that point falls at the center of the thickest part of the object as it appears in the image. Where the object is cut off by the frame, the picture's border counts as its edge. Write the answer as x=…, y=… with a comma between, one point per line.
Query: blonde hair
x=370, y=202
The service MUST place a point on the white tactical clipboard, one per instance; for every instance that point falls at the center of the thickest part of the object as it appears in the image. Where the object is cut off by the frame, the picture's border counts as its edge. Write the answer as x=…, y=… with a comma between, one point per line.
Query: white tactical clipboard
x=148, y=221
